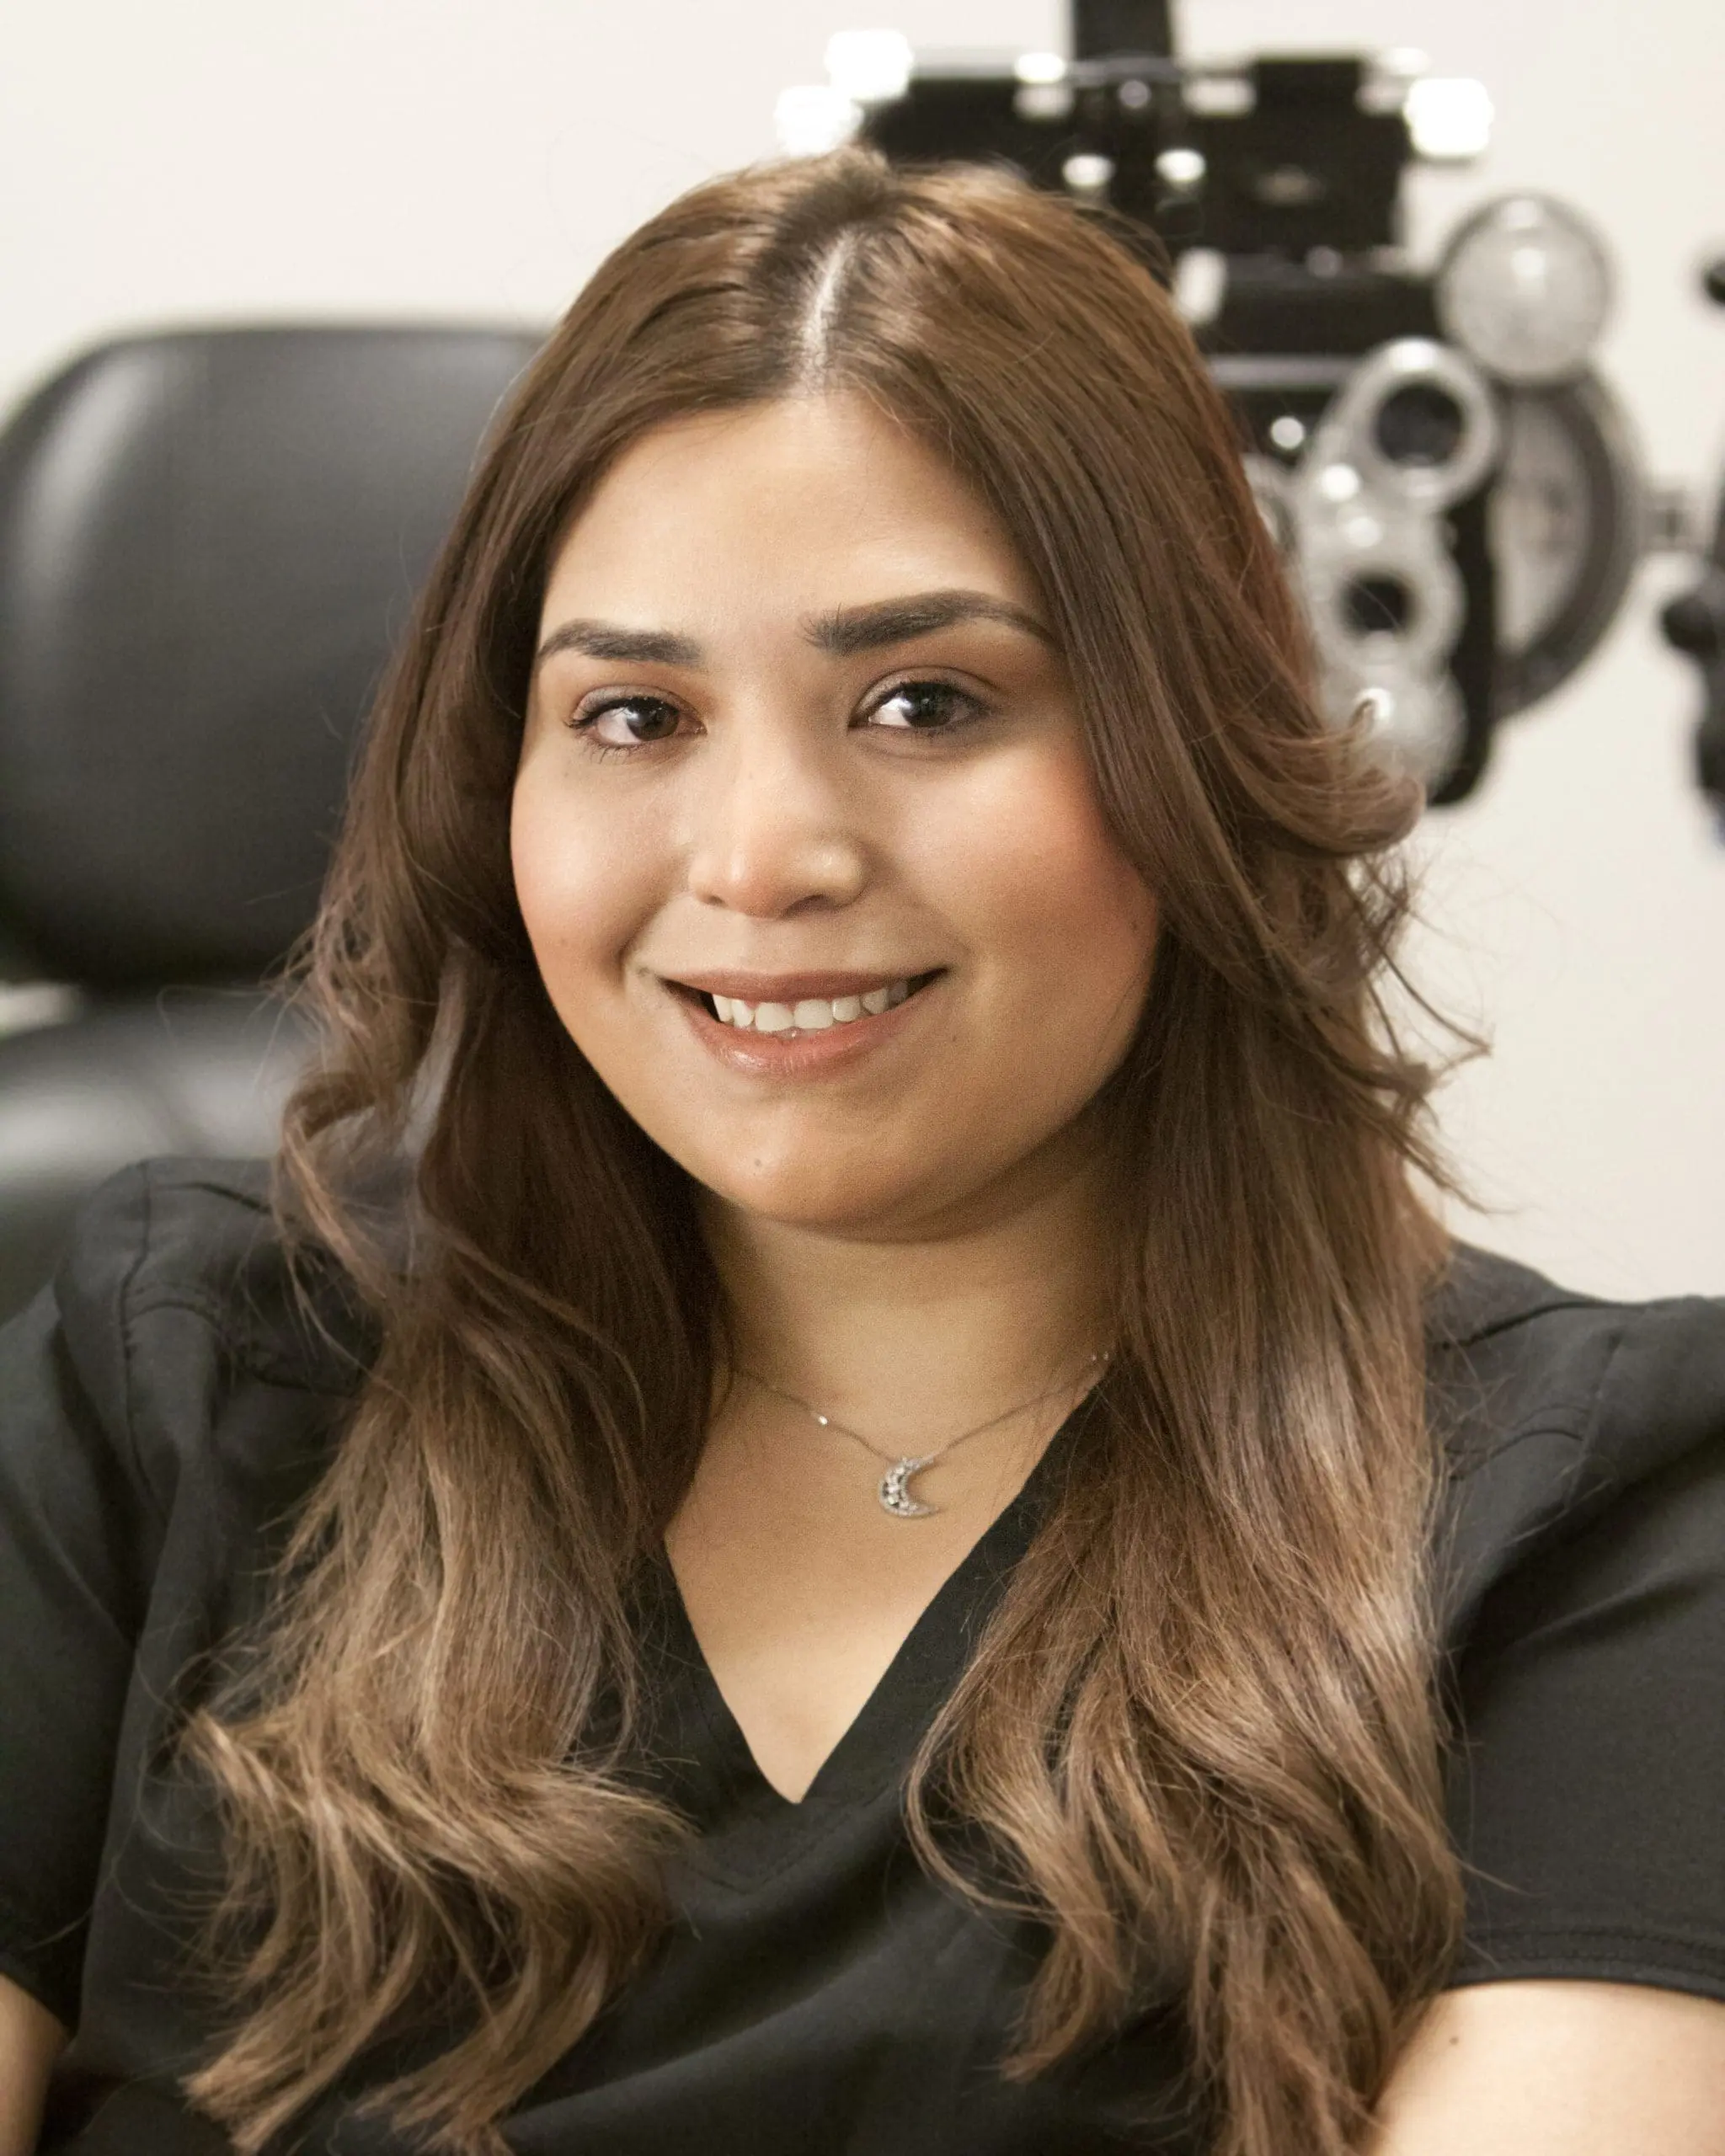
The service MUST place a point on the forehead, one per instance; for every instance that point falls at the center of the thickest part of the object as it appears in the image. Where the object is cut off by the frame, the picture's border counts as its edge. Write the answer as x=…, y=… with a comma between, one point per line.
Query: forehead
x=794, y=506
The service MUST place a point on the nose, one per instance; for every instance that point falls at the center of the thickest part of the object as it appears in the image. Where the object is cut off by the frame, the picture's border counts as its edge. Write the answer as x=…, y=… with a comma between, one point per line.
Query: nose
x=773, y=827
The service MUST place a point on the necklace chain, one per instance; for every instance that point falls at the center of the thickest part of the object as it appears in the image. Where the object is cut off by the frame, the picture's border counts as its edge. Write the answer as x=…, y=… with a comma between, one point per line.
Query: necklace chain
x=897, y=1459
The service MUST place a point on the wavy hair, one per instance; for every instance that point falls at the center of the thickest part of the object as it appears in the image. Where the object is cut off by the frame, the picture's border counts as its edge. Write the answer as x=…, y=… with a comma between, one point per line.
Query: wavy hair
x=1200, y=1734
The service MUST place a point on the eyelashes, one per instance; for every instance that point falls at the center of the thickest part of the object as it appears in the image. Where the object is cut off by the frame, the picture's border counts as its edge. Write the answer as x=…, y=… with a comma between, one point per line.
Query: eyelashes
x=929, y=701
x=927, y=706
x=661, y=722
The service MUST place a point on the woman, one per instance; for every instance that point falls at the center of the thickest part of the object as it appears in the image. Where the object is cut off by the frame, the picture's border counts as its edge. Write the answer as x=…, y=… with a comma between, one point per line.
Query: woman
x=887, y=1542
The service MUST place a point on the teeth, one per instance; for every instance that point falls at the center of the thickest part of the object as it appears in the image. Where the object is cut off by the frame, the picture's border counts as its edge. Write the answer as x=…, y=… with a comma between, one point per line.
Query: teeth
x=813, y=1014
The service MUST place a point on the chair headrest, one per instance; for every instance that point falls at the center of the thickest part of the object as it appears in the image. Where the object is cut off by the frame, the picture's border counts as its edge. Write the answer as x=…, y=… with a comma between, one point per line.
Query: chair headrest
x=208, y=541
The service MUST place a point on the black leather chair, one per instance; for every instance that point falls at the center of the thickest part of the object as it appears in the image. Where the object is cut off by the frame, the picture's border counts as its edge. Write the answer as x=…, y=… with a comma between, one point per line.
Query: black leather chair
x=208, y=540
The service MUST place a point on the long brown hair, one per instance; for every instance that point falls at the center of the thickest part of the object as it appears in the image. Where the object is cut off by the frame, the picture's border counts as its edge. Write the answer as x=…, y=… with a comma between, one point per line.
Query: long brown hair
x=1199, y=1734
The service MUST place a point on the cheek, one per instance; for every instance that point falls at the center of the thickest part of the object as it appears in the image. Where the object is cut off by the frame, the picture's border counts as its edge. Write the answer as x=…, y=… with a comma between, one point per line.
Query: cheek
x=583, y=889
x=1069, y=920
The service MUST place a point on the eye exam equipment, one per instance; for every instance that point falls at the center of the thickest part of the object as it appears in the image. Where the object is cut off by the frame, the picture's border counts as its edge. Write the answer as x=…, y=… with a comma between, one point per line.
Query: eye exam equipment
x=1455, y=484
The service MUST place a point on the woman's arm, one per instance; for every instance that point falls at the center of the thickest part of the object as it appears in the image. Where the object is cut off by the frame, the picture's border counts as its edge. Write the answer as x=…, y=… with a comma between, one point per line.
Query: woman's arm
x=1551, y=2068
x=30, y=2040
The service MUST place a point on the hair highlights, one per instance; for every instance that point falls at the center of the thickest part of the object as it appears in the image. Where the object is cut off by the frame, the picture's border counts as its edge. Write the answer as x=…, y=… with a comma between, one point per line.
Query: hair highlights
x=1198, y=1741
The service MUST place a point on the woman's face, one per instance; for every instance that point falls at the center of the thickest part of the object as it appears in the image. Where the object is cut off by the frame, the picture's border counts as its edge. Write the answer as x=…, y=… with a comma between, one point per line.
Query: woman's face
x=804, y=834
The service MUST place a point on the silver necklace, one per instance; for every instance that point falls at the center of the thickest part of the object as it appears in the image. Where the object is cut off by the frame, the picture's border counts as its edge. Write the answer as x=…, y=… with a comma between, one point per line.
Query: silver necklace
x=894, y=1492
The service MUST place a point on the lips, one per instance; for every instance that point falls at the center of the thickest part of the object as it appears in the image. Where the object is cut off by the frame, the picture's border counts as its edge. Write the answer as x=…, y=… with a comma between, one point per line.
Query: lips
x=751, y=987
x=782, y=1021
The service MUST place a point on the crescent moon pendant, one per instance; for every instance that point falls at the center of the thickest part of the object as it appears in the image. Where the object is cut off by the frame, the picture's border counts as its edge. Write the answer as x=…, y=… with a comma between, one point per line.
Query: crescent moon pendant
x=895, y=1496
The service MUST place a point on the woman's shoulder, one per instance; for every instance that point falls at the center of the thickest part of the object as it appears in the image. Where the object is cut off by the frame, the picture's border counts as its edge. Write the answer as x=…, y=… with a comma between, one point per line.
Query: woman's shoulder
x=1581, y=1581
x=166, y=1404
x=188, y=1256
x=183, y=1349
x=1553, y=1405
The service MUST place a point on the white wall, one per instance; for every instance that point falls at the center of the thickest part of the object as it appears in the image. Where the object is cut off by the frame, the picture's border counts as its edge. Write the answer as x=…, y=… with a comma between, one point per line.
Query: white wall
x=220, y=158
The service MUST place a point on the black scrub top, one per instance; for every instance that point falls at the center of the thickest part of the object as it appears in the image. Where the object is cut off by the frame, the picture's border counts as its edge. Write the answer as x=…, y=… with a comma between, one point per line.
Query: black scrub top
x=165, y=1407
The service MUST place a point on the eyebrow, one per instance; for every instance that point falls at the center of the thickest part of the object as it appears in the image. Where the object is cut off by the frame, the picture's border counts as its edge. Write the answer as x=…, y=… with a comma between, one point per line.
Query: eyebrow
x=844, y=632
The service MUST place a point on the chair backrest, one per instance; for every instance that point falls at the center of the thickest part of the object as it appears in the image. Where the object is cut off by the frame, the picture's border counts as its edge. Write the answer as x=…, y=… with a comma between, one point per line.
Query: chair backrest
x=208, y=541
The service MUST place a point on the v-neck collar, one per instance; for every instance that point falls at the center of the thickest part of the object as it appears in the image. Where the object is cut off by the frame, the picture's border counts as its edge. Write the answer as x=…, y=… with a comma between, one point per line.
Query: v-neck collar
x=702, y=1750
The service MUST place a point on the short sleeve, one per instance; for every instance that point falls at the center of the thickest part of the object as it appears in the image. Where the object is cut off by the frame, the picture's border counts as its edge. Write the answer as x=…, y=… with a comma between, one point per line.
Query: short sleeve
x=76, y=1529
x=1587, y=1792
x=165, y=1410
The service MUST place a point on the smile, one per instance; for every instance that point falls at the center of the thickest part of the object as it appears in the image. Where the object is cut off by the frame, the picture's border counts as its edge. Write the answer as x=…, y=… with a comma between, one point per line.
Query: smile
x=810, y=1014
x=812, y=1020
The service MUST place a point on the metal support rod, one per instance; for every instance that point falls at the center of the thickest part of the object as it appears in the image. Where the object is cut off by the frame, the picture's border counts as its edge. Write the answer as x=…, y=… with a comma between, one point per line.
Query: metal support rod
x=1100, y=27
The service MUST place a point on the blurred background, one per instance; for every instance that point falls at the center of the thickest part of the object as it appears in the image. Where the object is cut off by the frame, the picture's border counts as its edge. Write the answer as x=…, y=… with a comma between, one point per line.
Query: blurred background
x=448, y=161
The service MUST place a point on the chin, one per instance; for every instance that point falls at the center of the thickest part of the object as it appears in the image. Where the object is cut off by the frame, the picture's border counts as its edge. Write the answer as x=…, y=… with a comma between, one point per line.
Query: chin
x=811, y=1195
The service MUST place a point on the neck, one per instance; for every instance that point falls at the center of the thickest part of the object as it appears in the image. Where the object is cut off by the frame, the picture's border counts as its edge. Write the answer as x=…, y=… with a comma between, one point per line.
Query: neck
x=926, y=1331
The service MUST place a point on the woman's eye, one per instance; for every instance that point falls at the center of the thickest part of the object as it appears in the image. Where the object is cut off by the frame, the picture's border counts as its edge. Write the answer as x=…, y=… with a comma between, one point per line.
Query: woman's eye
x=630, y=721
x=925, y=707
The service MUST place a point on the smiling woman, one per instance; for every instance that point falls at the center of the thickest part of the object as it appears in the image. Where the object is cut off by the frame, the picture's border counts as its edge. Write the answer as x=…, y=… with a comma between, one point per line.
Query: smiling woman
x=796, y=805
x=849, y=1499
